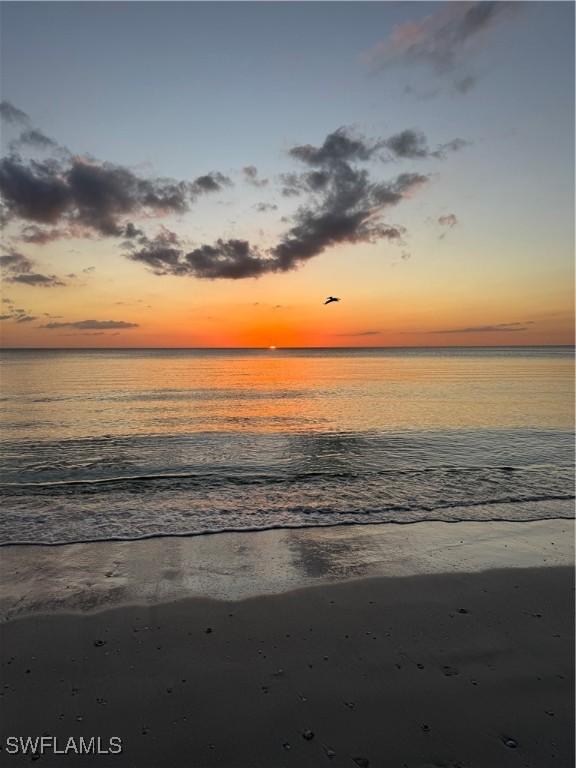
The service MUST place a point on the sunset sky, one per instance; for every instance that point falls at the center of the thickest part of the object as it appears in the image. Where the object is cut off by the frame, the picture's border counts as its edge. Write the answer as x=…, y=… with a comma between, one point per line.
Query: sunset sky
x=205, y=174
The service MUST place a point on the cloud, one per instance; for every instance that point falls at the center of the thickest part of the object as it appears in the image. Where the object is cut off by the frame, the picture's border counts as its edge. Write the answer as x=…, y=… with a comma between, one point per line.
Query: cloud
x=412, y=144
x=211, y=182
x=498, y=327
x=232, y=259
x=87, y=333
x=75, y=194
x=19, y=269
x=94, y=196
x=338, y=147
x=344, y=206
x=86, y=325
x=12, y=114
x=263, y=207
x=360, y=333
x=17, y=315
x=465, y=84
x=32, y=233
x=442, y=39
x=449, y=220
x=34, y=138
x=13, y=261
x=251, y=176
x=36, y=279
x=38, y=236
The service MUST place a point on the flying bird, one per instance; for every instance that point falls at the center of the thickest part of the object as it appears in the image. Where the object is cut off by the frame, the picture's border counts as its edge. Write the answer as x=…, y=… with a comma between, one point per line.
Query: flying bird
x=330, y=299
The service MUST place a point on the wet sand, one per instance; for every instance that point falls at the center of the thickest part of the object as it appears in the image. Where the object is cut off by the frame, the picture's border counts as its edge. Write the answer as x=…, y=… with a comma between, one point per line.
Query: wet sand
x=462, y=669
x=235, y=566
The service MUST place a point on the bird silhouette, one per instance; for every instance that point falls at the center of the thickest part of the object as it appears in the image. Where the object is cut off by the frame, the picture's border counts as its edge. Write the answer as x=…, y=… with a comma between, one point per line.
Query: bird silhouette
x=330, y=299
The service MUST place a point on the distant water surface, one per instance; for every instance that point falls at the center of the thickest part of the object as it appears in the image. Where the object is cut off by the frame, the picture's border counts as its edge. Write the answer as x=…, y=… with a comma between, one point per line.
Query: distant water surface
x=101, y=444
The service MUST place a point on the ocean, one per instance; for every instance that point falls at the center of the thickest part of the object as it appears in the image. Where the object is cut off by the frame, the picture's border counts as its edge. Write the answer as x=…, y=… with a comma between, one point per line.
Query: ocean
x=128, y=444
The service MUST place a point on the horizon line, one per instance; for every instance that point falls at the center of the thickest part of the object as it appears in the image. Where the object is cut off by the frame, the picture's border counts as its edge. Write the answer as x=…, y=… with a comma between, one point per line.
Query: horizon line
x=279, y=349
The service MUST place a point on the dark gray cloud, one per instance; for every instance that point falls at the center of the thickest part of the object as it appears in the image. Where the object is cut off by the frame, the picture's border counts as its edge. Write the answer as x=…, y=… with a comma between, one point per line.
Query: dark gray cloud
x=344, y=206
x=211, y=182
x=70, y=196
x=94, y=196
x=498, y=327
x=251, y=176
x=87, y=325
x=73, y=193
x=37, y=279
x=441, y=39
x=408, y=144
x=12, y=114
x=338, y=147
x=231, y=259
x=18, y=268
x=295, y=184
x=413, y=144
x=25, y=318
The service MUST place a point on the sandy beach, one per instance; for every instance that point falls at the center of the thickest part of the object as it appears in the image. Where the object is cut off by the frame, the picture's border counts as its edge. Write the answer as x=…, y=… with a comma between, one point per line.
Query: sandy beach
x=366, y=667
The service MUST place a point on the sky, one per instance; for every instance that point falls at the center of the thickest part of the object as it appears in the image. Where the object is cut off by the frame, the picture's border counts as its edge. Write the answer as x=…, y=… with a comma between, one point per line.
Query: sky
x=181, y=174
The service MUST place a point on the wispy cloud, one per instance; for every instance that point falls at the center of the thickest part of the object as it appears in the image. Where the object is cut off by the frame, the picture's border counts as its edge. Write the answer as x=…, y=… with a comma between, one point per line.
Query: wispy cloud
x=18, y=268
x=12, y=114
x=87, y=325
x=496, y=328
x=251, y=176
x=442, y=40
x=448, y=221
x=16, y=314
x=359, y=333
x=264, y=207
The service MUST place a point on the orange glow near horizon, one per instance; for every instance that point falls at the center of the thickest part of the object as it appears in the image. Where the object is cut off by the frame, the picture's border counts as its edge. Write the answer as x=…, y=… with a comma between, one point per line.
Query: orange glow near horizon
x=383, y=304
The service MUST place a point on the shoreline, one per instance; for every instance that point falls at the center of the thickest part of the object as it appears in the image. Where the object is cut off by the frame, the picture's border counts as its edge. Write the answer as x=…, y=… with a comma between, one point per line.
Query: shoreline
x=86, y=578
x=563, y=503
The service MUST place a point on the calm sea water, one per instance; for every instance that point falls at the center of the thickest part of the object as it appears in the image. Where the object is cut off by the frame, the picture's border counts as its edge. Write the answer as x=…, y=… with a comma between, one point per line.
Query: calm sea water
x=106, y=444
